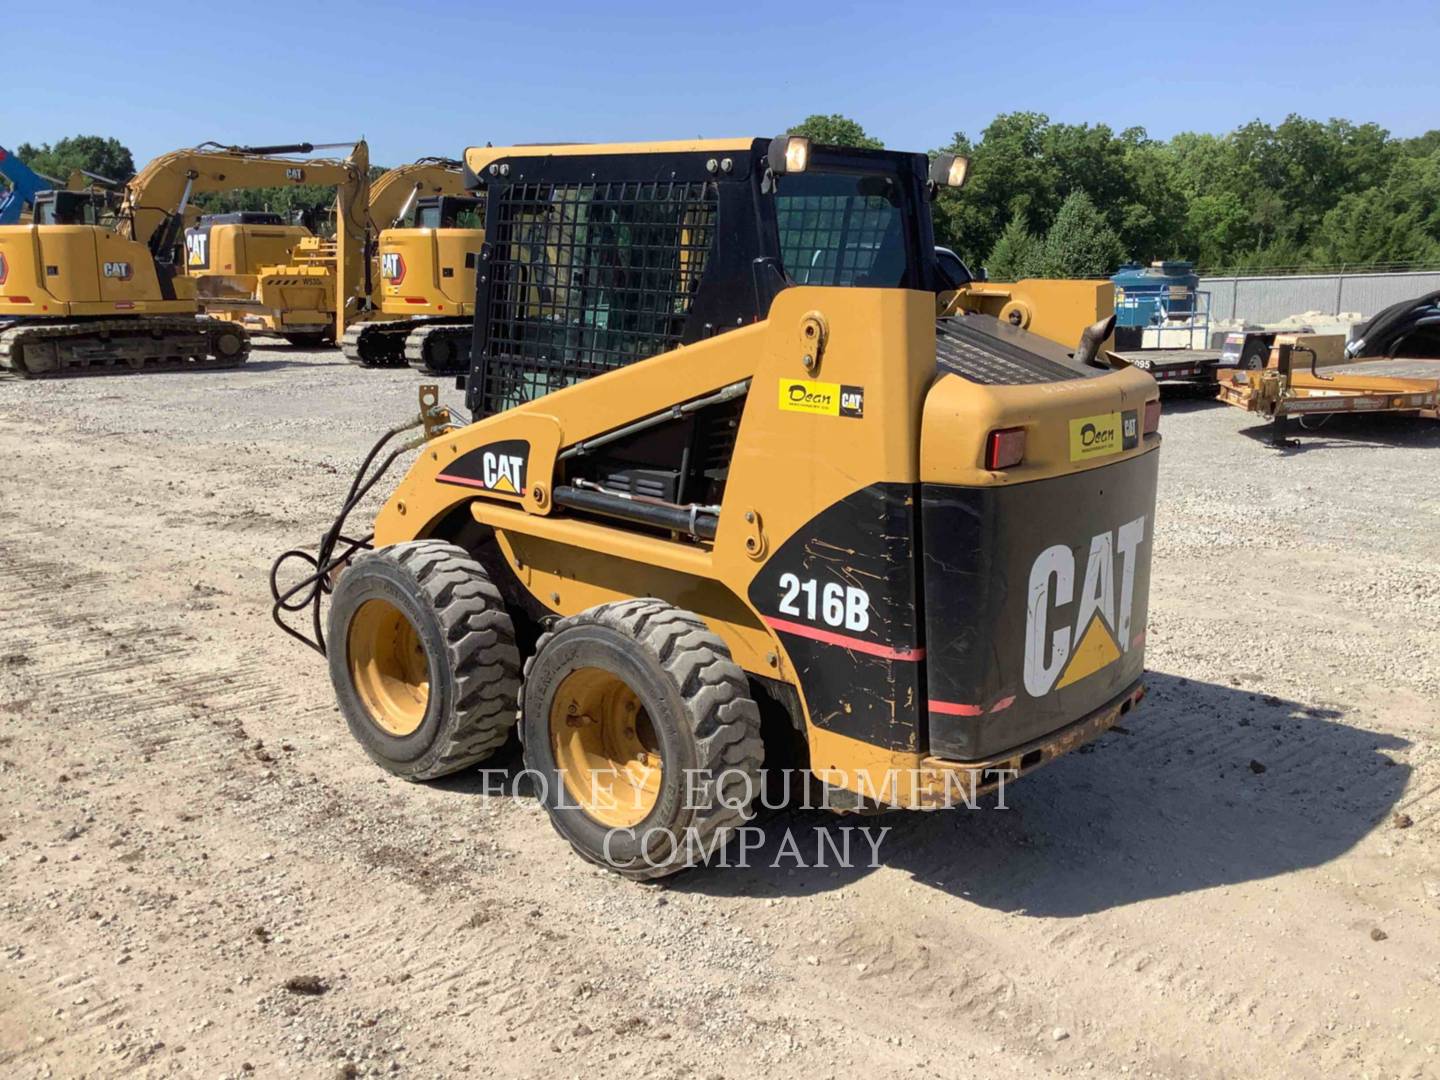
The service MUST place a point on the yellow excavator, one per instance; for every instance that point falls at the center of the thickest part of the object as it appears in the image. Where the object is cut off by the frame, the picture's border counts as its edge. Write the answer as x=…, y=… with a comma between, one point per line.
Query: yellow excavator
x=77, y=297
x=276, y=277
x=256, y=270
x=730, y=498
x=425, y=299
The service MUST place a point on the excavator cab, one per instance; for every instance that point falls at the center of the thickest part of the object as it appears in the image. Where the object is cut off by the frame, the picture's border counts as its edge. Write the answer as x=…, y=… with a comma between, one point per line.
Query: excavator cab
x=68, y=208
x=426, y=288
x=447, y=212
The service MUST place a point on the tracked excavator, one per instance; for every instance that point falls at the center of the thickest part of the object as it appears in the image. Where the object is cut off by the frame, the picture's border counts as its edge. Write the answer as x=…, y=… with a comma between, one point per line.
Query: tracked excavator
x=77, y=297
x=706, y=520
x=426, y=283
x=277, y=277
x=256, y=270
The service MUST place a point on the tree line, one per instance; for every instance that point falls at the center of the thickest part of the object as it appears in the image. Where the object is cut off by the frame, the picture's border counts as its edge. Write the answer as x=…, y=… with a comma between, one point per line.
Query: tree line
x=1300, y=193
x=1047, y=199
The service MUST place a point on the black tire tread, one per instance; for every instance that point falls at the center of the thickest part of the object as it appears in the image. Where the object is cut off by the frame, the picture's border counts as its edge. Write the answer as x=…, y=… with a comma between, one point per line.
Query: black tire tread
x=723, y=717
x=480, y=639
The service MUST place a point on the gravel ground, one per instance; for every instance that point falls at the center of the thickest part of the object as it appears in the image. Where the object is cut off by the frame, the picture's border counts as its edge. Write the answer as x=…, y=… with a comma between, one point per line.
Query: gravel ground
x=201, y=874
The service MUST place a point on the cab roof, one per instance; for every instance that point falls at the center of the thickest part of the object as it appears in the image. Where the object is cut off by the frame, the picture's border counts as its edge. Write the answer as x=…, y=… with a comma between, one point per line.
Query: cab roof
x=478, y=157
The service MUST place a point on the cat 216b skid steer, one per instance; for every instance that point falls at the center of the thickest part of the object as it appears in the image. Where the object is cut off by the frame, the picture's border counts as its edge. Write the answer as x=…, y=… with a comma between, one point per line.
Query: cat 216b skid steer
x=733, y=500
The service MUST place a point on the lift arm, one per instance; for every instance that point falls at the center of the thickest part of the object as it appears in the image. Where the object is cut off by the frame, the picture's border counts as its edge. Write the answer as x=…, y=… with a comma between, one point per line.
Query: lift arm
x=159, y=194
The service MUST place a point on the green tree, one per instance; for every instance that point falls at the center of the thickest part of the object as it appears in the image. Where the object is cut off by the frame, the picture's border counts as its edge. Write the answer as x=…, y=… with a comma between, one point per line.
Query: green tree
x=1080, y=244
x=1151, y=218
x=1263, y=195
x=1015, y=252
x=835, y=130
x=1009, y=174
x=93, y=153
x=1395, y=222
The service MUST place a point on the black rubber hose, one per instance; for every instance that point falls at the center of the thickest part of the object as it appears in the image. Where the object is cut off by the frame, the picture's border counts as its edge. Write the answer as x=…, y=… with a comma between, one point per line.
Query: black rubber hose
x=310, y=590
x=1377, y=332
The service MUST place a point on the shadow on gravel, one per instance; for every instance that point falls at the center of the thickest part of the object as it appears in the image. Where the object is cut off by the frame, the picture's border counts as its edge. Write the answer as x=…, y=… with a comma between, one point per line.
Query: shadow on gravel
x=274, y=365
x=1179, y=398
x=1204, y=786
x=1352, y=431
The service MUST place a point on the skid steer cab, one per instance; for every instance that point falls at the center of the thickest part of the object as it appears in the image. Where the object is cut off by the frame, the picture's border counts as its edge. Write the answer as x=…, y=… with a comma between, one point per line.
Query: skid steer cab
x=733, y=501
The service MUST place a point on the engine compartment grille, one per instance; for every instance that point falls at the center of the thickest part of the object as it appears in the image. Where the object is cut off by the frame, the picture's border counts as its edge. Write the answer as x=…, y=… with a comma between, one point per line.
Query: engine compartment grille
x=968, y=348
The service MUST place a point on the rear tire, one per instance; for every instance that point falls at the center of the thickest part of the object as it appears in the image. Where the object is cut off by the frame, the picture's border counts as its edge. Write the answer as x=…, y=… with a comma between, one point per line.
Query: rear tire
x=646, y=737
x=422, y=655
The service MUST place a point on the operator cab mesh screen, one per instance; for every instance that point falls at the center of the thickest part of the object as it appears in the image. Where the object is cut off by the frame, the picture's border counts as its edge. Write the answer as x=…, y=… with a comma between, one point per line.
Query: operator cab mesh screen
x=589, y=277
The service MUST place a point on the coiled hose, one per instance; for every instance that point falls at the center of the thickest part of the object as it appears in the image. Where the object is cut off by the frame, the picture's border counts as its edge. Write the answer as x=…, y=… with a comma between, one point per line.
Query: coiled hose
x=311, y=590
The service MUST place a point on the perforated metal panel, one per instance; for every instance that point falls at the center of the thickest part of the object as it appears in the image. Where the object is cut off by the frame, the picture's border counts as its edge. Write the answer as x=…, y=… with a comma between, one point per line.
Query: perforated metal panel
x=984, y=358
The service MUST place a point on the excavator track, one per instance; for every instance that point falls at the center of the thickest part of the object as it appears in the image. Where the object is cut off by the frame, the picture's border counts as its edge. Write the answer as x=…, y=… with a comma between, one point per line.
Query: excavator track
x=376, y=344
x=139, y=344
x=440, y=348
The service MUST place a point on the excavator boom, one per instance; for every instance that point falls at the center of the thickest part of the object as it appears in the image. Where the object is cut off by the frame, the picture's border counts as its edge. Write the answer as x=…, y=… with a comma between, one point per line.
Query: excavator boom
x=156, y=200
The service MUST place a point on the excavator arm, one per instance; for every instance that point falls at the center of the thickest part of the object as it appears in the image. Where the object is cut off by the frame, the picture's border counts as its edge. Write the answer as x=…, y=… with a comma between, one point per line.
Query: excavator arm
x=395, y=193
x=156, y=199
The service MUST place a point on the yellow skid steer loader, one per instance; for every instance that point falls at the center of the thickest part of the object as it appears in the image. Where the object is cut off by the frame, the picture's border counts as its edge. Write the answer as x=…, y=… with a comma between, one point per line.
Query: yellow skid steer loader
x=708, y=520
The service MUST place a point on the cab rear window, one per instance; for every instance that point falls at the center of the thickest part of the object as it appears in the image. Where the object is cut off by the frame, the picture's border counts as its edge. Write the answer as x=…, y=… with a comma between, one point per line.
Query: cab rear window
x=841, y=229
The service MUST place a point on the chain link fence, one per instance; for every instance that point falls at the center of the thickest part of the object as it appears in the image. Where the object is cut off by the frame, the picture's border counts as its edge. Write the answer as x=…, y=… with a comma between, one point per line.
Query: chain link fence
x=1269, y=298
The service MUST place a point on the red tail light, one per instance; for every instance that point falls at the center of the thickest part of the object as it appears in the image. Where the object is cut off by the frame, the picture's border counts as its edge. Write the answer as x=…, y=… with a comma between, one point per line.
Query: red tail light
x=1152, y=416
x=4, y=270
x=1005, y=448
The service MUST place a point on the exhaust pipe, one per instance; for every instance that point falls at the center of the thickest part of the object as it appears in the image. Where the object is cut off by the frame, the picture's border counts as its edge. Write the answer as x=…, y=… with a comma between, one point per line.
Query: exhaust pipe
x=1092, y=338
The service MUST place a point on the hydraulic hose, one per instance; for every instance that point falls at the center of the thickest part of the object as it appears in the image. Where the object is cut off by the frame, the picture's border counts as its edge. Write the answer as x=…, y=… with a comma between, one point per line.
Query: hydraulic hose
x=310, y=590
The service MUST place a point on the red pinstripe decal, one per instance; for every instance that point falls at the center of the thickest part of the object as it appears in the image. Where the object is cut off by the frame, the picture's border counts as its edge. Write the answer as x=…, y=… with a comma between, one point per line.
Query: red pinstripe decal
x=449, y=479
x=829, y=637
x=951, y=708
x=466, y=481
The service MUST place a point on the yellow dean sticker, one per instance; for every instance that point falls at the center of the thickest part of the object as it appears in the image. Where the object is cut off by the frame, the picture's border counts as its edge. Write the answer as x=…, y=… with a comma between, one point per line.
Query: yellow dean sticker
x=821, y=398
x=1095, y=436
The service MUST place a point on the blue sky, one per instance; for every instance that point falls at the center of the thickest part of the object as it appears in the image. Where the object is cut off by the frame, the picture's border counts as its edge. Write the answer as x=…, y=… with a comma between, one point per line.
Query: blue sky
x=432, y=78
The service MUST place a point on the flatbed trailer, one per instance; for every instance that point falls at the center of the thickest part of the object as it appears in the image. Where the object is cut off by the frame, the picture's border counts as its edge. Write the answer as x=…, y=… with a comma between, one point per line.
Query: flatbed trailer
x=1175, y=365
x=1279, y=393
x=1309, y=394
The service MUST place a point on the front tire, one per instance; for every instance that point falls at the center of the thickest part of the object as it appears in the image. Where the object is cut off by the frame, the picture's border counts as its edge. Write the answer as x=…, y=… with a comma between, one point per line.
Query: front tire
x=646, y=737
x=423, y=658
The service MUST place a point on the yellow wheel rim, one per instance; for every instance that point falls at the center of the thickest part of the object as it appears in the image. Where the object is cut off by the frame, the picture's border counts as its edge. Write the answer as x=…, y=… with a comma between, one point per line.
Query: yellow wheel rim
x=605, y=747
x=389, y=667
